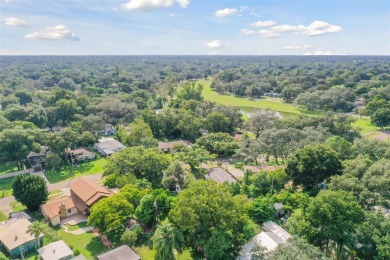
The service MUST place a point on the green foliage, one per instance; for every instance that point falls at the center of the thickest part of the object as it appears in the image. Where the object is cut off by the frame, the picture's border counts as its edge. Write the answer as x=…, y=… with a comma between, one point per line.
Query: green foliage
x=134, y=194
x=137, y=133
x=194, y=155
x=189, y=126
x=207, y=213
x=141, y=162
x=30, y=190
x=174, y=175
x=221, y=144
x=377, y=103
x=262, y=210
x=166, y=238
x=109, y=215
x=374, y=149
x=381, y=117
x=291, y=200
x=330, y=217
x=53, y=161
x=190, y=90
x=2, y=256
x=266, y=182
x=343, y=148
x=217, y=122
x=93, y=124
x=129, y=237
x=311, y=165
x=154, y=206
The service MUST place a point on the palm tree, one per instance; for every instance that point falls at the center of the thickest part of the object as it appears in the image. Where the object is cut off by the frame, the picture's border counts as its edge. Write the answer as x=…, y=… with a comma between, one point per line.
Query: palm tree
x=36, y=229
x=166, y=238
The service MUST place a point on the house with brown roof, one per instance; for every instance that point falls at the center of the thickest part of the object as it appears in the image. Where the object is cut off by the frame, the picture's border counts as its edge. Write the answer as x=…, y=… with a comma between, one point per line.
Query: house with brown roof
x=14, y=238
x=86, y=193
x=59, y=208
x=82, y=154
x=167, y=146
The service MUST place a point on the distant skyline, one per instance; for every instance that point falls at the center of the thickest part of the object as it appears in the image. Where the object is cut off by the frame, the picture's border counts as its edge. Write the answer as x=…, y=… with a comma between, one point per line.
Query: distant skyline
x=194, y=27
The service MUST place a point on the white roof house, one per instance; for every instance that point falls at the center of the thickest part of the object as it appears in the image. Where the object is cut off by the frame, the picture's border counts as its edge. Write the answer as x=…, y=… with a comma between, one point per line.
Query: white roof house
x=272, y=236
x=108, y=146
x=56, y=251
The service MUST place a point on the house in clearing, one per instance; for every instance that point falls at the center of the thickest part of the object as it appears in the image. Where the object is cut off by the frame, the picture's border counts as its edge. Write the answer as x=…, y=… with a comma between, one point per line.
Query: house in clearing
x=220, y=176
x=82, y=154
x=59, y=208
x=272, y=236
x=119, y=253
x=108, y=129
x=167, y=146
x=14, y=238
x=86, y=193
x=108, y=146
x=37, y=159
x=56, y=251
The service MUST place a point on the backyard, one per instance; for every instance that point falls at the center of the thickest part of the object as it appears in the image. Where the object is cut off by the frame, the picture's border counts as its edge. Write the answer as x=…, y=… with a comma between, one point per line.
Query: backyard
x=6, y=187
x=85, y=168
x=8, y=167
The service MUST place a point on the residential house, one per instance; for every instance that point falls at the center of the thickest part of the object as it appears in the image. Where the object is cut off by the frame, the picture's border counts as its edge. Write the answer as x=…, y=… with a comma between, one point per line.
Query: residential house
x=14, y=238
x=167, y=146
x=59, y=208
x=86, y=193
x=82, y=154
x=272, y=236
x=37, y=159
x=108, y=146
x=108, y=129
x=119, y=253
x=252, y=169
x=56, y=251
x=220, y=176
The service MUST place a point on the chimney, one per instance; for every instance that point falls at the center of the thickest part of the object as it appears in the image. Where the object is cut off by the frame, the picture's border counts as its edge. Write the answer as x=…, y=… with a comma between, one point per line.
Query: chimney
x=62, y=210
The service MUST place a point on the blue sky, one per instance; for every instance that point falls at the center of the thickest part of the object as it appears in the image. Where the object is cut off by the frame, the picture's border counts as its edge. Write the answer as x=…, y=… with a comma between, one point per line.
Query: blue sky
x=196, y=27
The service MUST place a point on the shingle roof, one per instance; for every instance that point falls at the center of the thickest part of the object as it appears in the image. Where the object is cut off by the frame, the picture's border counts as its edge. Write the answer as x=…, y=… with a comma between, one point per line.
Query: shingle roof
x=254, y=169
x=13, y=233
x=169, y=145
x=88, y=191
x=119, y=253
x=110, y=145
x=55, y=251
x=52, y=207
x=268, y=240
x=278, y=230
x=220, y=176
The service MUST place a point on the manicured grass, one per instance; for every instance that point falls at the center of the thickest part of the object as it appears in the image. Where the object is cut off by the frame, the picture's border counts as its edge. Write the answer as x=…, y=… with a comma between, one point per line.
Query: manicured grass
x=17, y=206
x=78, y=226
x=275, y=104
x=6, y=187
x=8, y=167
x=3, y=216
x=366, y=128
x=86, y=168
x=88, y=244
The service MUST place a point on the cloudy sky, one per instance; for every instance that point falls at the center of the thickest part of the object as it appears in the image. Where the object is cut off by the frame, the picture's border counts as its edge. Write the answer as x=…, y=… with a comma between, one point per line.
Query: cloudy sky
x=197, y=27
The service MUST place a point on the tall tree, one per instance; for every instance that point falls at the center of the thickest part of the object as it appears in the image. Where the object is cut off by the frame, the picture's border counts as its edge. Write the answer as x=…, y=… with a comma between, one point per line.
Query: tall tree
x=166, y=238
x=194, y=155
x=36, y=229
x=30, y=190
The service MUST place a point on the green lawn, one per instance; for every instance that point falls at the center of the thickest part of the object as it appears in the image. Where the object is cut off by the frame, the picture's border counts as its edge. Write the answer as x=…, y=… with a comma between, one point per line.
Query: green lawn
x=366, y=128
x=17, y=206
x=8, y=167
x=275, y=104
x=88, y=244
x=86, y=168
x=6, y=187
x=3, y=216
x=75, y=227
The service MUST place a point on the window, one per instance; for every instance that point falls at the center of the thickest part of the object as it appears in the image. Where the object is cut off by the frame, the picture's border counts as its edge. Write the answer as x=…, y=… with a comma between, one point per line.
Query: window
x=69, y=210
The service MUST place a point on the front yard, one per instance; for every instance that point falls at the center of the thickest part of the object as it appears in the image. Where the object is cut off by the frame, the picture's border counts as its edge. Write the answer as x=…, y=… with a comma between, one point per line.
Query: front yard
x=81, y=169
x=6, y=187
x=8, y=167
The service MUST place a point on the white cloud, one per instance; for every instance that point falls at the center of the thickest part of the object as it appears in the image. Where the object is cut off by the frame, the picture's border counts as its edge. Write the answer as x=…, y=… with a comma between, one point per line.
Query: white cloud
x=153, y=4
x=225, y=12
x=12, y=21
x=263, y=23
x=268, y=34
x=322, y=52
x=216, y=44
x=297, y=47
x=174, y=15
x=247, y=32
x=288, y=28
x=321, y=28
x=53, y=33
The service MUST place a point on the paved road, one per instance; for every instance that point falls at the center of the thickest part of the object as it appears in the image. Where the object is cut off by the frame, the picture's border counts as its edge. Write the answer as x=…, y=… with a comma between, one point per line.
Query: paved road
x=4, y=202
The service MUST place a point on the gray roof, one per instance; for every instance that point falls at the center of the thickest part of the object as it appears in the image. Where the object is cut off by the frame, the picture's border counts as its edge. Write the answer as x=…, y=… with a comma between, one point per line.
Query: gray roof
x=110, y=145
x=55, y=250
x=119, y=253
x=219, y=175
x=79, y=257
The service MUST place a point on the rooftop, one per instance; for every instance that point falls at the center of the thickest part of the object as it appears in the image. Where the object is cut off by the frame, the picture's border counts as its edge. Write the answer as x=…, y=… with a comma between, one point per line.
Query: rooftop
x=52, y=207
x=119, y=253
x=13, y=233
x=81, y=151
x=109, y=145
x=169, y=145
x=55, y=251
x=278, y=230
x=88, y=191
x=219, y=175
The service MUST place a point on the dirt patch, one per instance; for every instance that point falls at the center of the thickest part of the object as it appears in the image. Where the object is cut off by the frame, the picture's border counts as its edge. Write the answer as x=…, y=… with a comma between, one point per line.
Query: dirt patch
x=383, y=136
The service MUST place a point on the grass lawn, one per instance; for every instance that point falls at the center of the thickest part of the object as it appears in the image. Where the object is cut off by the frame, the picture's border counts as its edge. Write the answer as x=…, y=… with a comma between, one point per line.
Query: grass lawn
x=275, y=104
x=366, y=128
x=86, y=168
x=6, y=187
x=8, y=167
x=17, y=206
x=88, y=244
x=75, y=227
x=3, y=216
